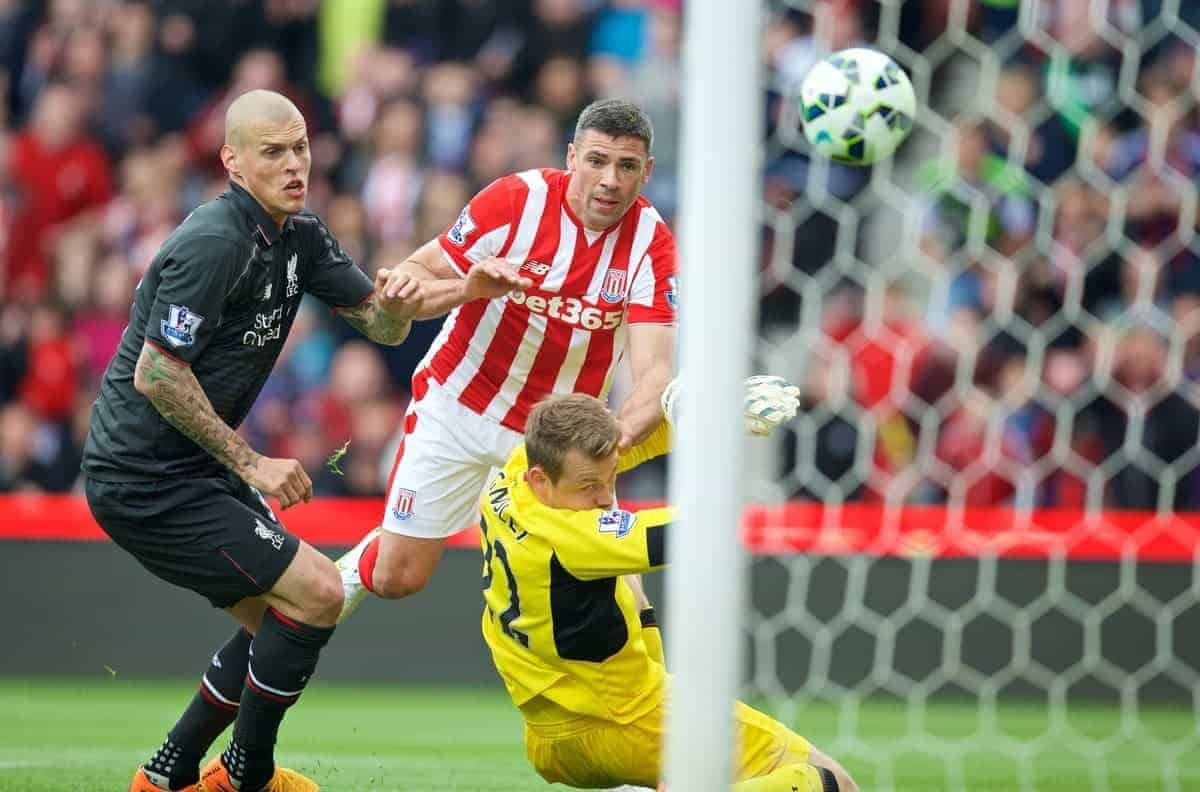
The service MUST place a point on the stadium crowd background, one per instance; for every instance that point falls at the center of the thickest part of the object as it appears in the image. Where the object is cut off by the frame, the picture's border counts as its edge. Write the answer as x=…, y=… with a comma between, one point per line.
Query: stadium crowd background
x=112, y=117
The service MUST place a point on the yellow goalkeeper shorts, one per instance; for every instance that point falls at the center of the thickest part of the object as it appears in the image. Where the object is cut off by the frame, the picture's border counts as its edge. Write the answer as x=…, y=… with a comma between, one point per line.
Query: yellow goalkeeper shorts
x=591, y=753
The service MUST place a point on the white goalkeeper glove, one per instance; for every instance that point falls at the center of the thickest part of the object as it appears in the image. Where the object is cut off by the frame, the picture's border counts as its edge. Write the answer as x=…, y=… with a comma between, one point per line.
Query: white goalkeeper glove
x=770, y=402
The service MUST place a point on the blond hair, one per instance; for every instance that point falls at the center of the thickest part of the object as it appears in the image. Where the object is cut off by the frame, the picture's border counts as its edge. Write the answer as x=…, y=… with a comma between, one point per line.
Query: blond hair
x=561, y=423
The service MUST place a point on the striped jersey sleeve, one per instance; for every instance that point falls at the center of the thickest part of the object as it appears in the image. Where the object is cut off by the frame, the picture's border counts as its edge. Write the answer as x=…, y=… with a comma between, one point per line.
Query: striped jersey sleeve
x=652, y=296
x=484, y=227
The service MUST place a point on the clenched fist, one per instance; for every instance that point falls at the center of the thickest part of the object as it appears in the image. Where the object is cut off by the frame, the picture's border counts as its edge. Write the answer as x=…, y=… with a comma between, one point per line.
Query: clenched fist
x=282, y=479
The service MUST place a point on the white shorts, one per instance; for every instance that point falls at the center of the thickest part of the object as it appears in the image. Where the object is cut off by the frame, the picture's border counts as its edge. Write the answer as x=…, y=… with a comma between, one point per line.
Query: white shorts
x=442, y=466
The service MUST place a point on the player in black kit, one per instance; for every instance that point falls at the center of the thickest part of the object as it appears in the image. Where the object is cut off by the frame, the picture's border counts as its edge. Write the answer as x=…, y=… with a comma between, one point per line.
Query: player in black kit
x=172, y=483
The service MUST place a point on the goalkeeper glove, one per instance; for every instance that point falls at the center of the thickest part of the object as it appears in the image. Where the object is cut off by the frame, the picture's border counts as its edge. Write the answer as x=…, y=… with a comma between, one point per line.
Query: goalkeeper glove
x=770, y=402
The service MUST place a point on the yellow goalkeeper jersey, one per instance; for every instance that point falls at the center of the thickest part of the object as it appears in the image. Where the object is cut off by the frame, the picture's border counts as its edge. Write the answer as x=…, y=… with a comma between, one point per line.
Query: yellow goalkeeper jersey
x=558, y=619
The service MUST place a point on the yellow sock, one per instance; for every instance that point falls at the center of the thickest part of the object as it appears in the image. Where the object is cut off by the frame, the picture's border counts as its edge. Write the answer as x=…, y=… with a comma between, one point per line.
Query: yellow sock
x=791, y=778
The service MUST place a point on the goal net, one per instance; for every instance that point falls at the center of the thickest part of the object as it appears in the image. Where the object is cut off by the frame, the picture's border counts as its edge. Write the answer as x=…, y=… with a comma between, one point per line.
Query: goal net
x=976, y=559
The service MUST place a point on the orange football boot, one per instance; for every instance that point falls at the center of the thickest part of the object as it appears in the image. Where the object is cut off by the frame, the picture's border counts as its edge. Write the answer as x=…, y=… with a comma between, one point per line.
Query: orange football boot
x=215, y=778
x=142, y=783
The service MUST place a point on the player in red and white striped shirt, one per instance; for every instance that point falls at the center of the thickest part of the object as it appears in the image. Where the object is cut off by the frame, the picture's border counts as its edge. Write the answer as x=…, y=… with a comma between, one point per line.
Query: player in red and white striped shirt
x=549, y=277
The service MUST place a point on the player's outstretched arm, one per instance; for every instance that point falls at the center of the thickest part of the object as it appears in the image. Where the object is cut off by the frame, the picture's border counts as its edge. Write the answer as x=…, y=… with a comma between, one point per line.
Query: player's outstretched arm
x=441, y=286
x=770, y=402
x=173, y=389
x=386, y=316
x=444, y=289
x=651, y=362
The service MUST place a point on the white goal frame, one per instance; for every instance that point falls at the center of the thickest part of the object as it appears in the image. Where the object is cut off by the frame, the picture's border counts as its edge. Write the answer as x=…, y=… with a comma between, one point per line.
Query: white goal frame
x=720, y=167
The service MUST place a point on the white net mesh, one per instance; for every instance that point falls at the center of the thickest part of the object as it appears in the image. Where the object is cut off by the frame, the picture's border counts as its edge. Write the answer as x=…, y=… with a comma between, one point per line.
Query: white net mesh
x=998, y=337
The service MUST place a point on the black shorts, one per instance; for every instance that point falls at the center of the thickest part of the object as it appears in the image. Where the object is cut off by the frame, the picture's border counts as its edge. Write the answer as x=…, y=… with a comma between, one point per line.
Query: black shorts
x=214, y=536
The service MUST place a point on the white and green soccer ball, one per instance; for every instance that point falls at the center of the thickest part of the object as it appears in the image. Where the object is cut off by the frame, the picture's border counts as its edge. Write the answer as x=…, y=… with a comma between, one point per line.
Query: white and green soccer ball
x=857, y=106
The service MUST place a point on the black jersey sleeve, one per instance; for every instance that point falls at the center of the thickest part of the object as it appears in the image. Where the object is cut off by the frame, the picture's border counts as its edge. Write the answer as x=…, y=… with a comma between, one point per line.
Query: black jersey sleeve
x=335, y=279
x=196, y=274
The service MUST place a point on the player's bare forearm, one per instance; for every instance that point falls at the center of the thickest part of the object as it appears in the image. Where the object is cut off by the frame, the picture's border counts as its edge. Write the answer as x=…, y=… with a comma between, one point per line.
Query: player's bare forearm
x=442, y=297
x=377, y=323
x=642, y=412
x=442, y=288
x=641, y=415
x=651, y=361
x=176, y=393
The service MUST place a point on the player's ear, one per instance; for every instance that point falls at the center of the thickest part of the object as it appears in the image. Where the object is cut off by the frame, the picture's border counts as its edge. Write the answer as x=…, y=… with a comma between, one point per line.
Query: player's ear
x=229, y=160
x=539, y=481
x=570, y=156
x=649, y=170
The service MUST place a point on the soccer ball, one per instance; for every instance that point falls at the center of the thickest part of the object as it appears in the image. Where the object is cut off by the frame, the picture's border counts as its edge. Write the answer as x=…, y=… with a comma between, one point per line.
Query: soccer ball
x=857, y=106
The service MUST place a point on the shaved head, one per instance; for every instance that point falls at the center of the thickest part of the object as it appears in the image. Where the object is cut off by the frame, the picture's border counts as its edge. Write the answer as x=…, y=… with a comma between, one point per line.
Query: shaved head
x=266, y=151
x=254, y=109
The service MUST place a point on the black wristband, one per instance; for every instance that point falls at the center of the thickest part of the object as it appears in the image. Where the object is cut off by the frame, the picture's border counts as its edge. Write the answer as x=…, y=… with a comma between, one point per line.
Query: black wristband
x=648, y=617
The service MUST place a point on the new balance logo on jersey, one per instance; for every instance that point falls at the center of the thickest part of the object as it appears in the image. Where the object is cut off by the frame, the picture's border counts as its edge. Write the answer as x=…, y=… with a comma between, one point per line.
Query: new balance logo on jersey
x=263, y=532
x=267, y=292
x=617, y=522
x=179, y=328
x=535, y=268
x=570, y=310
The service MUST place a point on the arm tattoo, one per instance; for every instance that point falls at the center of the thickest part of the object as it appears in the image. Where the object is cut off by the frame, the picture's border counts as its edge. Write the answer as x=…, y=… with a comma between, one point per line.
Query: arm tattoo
x=376, y=323
x=176, y=393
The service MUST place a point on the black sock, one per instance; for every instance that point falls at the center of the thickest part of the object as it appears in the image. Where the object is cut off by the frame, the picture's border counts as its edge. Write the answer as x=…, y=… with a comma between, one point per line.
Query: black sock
x=283, y=657
x=213, y=708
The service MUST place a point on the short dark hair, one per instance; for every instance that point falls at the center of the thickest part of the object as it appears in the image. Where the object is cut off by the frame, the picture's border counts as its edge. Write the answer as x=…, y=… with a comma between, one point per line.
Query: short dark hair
x=561, y=423
x=616, y=118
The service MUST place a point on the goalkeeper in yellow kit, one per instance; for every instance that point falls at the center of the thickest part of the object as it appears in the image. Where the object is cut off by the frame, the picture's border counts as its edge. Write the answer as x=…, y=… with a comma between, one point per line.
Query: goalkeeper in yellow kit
x=581, y=662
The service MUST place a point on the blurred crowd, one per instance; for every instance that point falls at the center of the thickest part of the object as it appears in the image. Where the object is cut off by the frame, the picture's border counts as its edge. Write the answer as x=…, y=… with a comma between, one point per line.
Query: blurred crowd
x=1056, y=235
x=1050, y=354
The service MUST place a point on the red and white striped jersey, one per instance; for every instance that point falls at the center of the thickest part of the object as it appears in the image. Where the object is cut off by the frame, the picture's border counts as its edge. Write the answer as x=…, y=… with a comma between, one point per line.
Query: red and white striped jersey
x=567, y=333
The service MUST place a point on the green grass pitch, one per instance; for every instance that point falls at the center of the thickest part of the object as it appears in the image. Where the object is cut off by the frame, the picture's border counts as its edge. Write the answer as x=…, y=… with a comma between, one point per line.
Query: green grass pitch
x=73, y=735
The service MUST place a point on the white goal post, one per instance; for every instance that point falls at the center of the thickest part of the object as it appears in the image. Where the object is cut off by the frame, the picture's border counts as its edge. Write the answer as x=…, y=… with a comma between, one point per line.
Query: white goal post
x=720, y=184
